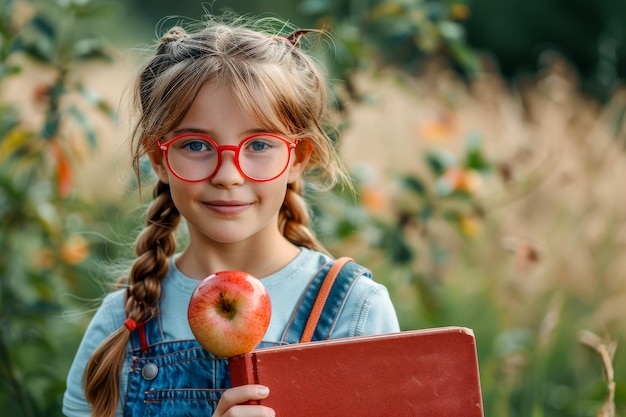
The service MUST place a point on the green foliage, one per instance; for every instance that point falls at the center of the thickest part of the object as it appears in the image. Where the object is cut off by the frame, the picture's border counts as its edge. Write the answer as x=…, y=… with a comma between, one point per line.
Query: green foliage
x=411, y=232
x=402, y=34
x=44, y=252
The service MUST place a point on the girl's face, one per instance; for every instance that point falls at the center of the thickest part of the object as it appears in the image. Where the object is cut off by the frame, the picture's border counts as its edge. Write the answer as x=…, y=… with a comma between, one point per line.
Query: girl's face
x=226, y=208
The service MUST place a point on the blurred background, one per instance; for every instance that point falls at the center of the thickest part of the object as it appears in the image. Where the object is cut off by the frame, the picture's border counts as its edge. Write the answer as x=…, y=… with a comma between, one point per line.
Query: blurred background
x=487, y=143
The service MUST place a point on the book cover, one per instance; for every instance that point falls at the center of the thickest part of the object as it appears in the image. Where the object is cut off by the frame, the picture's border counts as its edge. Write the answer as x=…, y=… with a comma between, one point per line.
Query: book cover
x=430, y=373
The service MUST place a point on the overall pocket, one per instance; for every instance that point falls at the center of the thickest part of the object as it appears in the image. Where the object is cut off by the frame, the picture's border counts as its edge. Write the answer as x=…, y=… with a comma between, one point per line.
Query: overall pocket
x=175, y=380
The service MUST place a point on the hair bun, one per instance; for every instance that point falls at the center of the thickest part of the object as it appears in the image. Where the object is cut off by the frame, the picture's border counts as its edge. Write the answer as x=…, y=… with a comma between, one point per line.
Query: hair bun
x=174, y=34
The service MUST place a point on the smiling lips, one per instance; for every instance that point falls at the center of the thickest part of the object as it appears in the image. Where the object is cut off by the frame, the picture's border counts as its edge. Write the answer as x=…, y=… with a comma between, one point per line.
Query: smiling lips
x=227, y=207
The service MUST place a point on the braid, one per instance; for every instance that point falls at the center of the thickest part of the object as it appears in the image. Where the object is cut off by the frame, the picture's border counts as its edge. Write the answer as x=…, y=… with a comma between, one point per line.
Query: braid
x=153, y=248
x=294, y=219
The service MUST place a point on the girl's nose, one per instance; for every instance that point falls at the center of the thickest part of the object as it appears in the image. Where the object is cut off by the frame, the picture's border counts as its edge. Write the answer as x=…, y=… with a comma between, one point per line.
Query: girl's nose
x=228, y=174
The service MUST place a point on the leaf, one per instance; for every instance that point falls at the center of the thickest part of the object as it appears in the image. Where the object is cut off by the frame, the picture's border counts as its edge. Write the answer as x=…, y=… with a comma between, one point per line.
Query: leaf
x=51, y=125
x=438, y=161
x=425, y=214
x=443, y=188
x=95, y=100
x=474, y=157
x=90, y=49
x=451, y=31
x=466, y=57
x=42, y=52
x=44, y=27
x=11, y=141
x=434, y=10
x=396, y=248
x=85, y=126
x=413, y=183
x=345, y=228
x=8, y=70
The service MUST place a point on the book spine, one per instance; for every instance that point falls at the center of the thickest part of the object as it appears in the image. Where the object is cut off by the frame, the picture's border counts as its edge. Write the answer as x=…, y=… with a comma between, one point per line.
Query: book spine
x=242, y=370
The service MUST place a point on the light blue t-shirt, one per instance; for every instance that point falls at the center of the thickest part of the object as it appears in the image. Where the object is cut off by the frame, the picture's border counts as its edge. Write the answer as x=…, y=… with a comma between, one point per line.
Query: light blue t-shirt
x=367, y=310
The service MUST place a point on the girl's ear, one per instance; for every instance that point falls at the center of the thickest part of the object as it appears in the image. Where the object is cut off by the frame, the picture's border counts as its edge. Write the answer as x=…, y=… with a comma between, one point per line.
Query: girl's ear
x=157, y=160
x=301, y=155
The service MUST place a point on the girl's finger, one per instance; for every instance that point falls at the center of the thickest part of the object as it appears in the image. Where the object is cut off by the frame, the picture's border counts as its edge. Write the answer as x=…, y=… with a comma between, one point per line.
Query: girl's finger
x=233, y=397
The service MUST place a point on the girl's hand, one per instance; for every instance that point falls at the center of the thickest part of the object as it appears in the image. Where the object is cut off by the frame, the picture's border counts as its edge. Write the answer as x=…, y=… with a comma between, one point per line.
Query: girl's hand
x=231, y=403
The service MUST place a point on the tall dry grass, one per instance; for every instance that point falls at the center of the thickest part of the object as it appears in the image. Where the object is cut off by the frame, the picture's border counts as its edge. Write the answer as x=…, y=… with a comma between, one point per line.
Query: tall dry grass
x=547, y=260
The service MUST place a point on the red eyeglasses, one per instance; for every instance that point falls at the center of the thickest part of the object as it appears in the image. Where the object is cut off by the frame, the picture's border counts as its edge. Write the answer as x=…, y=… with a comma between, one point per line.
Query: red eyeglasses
x=261, y=157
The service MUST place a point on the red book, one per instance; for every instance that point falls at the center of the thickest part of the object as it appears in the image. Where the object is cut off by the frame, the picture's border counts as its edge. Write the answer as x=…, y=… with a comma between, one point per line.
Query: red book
x=430, y=373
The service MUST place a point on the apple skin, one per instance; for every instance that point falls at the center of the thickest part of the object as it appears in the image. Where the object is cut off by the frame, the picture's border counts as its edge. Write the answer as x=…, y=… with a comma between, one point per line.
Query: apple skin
x=229, y=313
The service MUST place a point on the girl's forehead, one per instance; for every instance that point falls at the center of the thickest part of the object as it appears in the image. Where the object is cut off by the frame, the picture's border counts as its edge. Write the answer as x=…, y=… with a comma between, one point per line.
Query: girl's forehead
x=263, y=105
x=215, y=102
x=218, y=109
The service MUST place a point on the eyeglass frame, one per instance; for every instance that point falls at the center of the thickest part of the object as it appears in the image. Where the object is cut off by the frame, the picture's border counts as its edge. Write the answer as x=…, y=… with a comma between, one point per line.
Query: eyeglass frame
x=219, y=148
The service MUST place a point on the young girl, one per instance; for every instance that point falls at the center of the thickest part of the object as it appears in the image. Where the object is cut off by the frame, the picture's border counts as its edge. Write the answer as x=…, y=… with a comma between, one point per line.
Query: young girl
x=232, y=120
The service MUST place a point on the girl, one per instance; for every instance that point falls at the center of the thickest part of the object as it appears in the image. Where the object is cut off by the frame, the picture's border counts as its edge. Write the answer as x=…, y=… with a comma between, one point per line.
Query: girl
x=231, y=120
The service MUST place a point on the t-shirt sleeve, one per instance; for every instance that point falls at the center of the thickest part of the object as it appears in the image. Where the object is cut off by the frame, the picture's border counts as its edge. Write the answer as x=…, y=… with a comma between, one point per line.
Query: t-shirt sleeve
x=107, y=319
x=368, y=310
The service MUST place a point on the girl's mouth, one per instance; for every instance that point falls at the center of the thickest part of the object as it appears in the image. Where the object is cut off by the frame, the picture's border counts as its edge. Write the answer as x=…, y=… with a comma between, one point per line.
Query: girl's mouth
x=227, y=207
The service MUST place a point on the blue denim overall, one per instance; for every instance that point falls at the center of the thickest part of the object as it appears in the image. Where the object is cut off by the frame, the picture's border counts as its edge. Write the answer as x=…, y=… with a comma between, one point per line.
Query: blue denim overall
x=180, y=378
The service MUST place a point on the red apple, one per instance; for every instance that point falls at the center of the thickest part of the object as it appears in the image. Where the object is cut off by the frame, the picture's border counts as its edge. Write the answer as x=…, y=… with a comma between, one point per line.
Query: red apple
x=229, y=313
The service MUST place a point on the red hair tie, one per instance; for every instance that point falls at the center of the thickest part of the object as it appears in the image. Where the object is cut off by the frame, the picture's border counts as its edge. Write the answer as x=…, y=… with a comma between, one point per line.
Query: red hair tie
x=130, y=324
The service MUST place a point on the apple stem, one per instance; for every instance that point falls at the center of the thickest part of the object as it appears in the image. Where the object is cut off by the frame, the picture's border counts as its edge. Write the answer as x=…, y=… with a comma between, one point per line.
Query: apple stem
x=225, y=304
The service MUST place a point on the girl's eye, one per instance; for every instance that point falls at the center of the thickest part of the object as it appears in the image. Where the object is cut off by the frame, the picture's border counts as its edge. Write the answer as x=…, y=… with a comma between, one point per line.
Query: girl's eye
x=258, y=145
x=197, y=146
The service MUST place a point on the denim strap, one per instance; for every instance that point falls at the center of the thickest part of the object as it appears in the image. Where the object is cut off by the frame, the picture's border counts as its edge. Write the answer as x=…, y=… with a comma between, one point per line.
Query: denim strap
x=335, y=301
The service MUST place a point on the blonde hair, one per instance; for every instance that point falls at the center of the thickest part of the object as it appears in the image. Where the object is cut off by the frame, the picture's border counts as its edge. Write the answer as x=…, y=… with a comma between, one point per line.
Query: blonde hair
x=280, y=88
